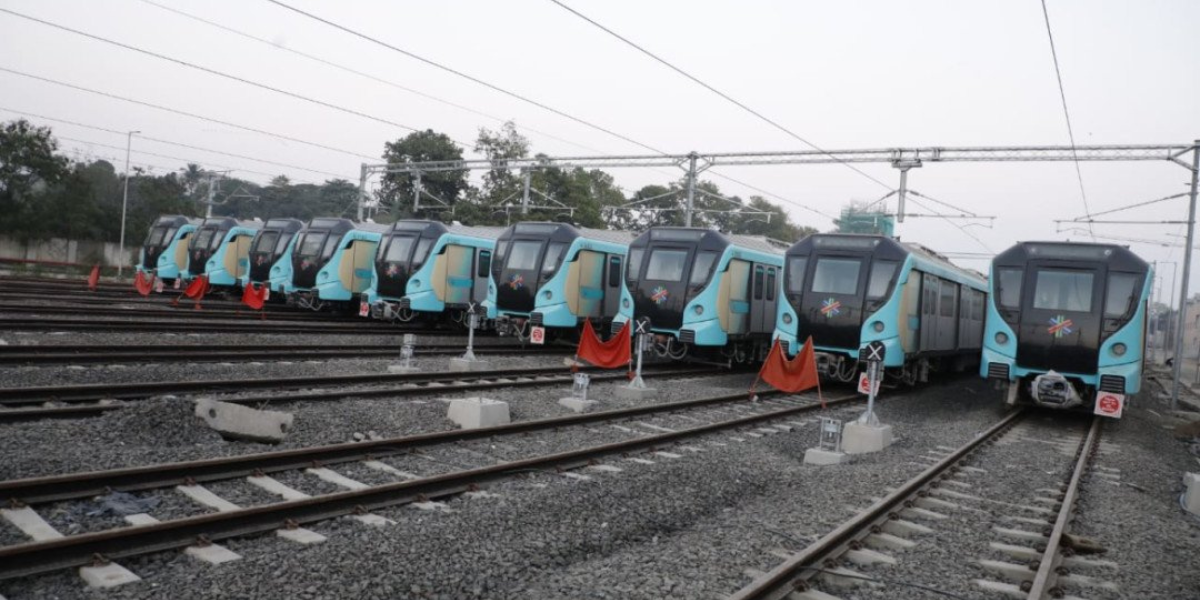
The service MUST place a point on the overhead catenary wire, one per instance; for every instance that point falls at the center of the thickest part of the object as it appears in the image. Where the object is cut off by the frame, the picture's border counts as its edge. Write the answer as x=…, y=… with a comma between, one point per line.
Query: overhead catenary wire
x=185, y=113
x=1131, y=206
x=960, y=227
x=142, y=136
x=222, y=74
x=1067, y=114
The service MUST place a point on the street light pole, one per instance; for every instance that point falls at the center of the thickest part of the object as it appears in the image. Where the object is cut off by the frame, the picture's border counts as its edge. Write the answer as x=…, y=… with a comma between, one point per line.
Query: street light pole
x=124, y=205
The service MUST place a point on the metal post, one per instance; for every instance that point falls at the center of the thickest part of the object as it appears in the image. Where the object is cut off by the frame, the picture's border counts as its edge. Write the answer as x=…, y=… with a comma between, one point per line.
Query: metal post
x=472, y=322
x=1187, y=265
x=902, y=196
x=691, y=189
x=124, y=205
x=416, y=192
x=637, y=381
x=1172, y=329
x=868, y=417
x=525, y=195
x=1155, y=330
x=362, y=191
x=211, y=196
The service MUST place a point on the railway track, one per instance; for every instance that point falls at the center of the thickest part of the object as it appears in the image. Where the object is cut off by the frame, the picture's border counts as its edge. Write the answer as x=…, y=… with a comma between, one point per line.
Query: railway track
x=115, y=354
x=200, y=326
x=358, y=499
x=813, y=572
x=165, y=310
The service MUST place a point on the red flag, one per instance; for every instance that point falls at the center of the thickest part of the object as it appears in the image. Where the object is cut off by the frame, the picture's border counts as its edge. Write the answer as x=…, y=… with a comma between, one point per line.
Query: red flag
x=143, y=285
x=94, y=279
x=608, y=355
x=791, y=376
x=254, y=295
x=197, y=288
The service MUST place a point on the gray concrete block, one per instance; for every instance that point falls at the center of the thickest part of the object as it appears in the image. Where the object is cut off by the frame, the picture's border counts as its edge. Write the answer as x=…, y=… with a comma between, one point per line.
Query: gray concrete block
x=107, y=576
x=817, y=456
x=577, y=404
x=625, y=392
x=1191, y=497
x=460, y=364
x=859, y=438
x=234, y=421
x=473, y=413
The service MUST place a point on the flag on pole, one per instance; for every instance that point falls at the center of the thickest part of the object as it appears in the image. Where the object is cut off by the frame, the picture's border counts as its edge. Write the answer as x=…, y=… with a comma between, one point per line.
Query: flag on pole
x=607, y=355
x=791, y=376
x=143, y=285
x=94, y=278
x=254, y=295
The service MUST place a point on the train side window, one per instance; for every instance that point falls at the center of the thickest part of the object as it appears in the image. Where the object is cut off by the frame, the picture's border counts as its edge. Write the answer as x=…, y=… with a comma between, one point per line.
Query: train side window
x=1120, y=298
x=331, y=245
x=758, y=282
x=485, y=263
x=554, y=253
x=947, y=302
x=419, y=255
x=771, y=284
x=284, y=240
x=1058, y=289
x=796, y=266
x=701, y=267
x=614, y=271
x=882, y=272
x=1008, y=286
x=501, y=249
x=635, y=264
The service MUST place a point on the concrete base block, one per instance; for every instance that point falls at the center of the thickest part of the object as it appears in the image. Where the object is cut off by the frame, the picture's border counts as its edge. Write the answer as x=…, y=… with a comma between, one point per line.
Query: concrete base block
x=817, y=456
x=473, y=413
x=107, y=576
x=234, y=421
x=401, y=369
x=460, y=364
x=625, y=392
x=300, y=535
x=1191, y=497
x=858, y=438
x=577, y=404
x=212, y=554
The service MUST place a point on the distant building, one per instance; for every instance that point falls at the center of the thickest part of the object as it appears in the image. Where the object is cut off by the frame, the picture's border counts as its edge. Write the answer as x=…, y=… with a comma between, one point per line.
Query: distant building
x=855, y=220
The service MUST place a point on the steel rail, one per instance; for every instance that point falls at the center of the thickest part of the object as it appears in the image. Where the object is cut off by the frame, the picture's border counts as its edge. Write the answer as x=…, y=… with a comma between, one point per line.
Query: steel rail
x=167, y=311
x=447, y=384
x=77, y=550
x=793, y=574
x=147, y=355
x=1048, y=569
x=179, y=325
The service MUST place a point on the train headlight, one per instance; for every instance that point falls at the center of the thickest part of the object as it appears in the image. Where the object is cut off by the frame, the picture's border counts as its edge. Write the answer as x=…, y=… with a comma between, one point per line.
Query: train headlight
x=698, y=309
x=787, y=318
x=416, y=283
x=877, y=326
x=323, y=276
x=1001, y=338
x=625, y=303
x=1119, y=349
x=547, y=295
x=491, y=289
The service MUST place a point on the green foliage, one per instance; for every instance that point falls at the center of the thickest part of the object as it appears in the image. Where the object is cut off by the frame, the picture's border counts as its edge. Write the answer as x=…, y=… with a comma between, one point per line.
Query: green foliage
x=396, y=191
x=28, y=166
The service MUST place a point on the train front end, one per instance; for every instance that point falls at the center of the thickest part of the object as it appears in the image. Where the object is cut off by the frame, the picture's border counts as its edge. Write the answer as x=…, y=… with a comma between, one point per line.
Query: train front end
x=1066, y=324
x=165, y=251
x=271, y=255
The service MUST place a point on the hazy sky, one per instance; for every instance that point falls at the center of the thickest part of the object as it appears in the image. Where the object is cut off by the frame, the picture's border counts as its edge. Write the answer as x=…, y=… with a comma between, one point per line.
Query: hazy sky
x=861, y=74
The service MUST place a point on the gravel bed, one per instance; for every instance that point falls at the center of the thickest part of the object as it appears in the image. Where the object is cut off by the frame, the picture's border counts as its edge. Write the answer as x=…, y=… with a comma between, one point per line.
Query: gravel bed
x=136, y=339
x=684, y=528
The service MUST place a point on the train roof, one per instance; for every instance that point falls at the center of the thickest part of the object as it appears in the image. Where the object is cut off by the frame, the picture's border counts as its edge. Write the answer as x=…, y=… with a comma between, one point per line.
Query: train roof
x=230, y=222
x=285, y=224
x=875, y=243
x=340, y=225
x=438, y=228
x=566, y=232
x=1115, y=256
x=713, y=239
x=177, y=220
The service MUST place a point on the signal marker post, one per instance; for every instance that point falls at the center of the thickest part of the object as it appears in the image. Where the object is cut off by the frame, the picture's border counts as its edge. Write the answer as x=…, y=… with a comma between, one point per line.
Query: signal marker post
x=406, y=355
x=637, y=390
x=867, y=434
x=468, y=362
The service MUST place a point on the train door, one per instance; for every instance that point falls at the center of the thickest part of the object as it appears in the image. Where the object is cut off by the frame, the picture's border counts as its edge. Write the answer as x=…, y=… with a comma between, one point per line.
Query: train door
x=946, y=317
x=459, y=274
x=483, y=267
x=612, y=285
x=357, y=266
x=929, y=300
x=965, y=300
x=181, y=251
x=237, y=256
x=585, y=287
x=733, y=298
x=764, y=317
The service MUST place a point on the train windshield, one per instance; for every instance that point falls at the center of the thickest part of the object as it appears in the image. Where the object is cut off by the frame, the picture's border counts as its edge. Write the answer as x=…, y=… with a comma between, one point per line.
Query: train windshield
x=523, y=256
x=266, y=242
x=216, y=241
x=701, y=267
x=422, y=252
x=399, y=249
x=203, y=238
x=797, y=266
x=666, y=265
x=836, y=276
x=882, y=272
x=1122, y=295
x=554, y=253
x=331, y=245
x=634, y=268
x=1063, y=290
x=283, y=242
x=156, y=236
x=310, y=244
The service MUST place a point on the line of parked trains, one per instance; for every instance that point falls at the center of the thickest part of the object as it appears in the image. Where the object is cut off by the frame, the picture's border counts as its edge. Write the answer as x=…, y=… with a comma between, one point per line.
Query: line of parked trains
x=1056, y=324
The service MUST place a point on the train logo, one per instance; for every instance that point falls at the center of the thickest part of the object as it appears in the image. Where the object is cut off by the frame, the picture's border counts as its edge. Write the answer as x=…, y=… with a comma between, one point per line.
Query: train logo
x=393, y=271
x=516, y=282
x=260, y=259
x=305, y=264
x=1060, y=326
x=831, y=307
x=659, y=295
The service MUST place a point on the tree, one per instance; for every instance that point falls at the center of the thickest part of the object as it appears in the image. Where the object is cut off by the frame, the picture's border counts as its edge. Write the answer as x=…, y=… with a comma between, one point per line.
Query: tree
x=501, y=185
x=28, y=164
x=396, y=191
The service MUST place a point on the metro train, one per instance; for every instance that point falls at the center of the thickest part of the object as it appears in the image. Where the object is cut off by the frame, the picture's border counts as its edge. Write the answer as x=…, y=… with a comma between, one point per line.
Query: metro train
x=271, y=255
x=409, y=284
x=848, y=290
x=165, y=251
x=555, y=275
x=332, y=263
x=221, y=251
x=707, y=294
x=1067, y=324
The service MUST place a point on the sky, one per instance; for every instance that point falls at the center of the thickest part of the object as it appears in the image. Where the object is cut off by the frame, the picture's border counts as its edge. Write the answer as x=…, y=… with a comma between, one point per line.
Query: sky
x=842, y=75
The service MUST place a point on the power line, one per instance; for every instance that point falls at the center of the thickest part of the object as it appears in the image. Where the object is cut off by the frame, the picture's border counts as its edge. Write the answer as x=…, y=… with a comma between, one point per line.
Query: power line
x=185, y=113
x=362, y=74
x=1137, y=205
x=960, y=227
x=714, y=90
x=322, y=103
x=171, y=143
x=1067, y=113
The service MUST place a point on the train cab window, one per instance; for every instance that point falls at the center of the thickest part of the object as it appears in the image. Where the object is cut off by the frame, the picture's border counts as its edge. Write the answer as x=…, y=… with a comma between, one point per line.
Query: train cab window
x=501, y=251
x=770, y=284
x=882, y=272
x=399, y=249
x=795, y=274
x=1121, y=298
x=635, y=264
x=331, y=245
x=1009, y=287
x=701, y=266
x=422, y=252
x=281, y=245
x=836, y=276
x=758, y=282
x=1063, y=290
x=614, y=271
x=170, y=235
x=201, y=241
x=311, y=244
x=485, y=263
x=523, y=255
x=554, y=253
x=666, y=265
x=156, y=236
x=266, y=242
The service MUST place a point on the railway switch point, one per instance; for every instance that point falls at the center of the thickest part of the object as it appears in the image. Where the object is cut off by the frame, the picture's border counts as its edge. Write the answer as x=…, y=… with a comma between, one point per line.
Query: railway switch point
x=476, y=412
x=234, y=421
x=1191, y=497
x=107, y=576
x=461, y=364
x=861, y=438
